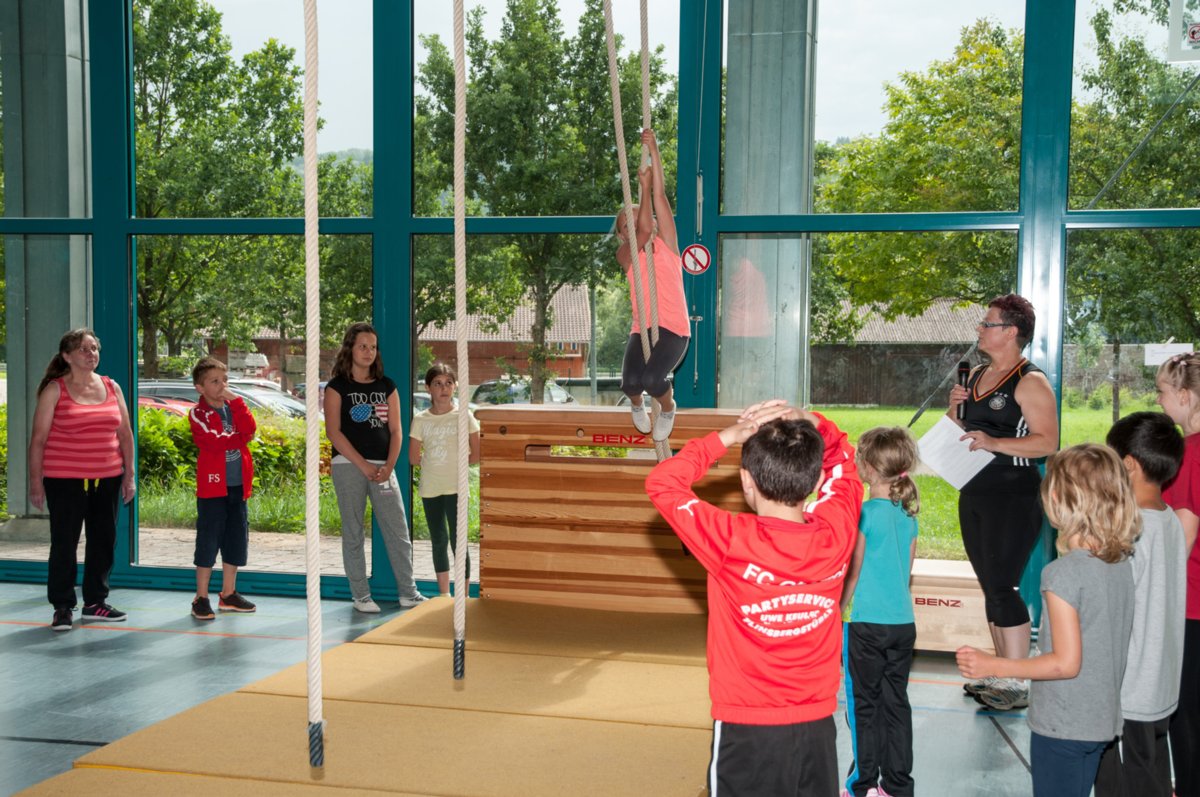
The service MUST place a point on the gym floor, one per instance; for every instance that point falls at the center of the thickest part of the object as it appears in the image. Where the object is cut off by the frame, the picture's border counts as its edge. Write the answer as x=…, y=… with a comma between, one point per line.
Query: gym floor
x=68, y=693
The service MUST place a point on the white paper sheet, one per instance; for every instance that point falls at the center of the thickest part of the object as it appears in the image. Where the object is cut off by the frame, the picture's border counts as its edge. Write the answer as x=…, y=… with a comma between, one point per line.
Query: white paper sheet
x=949, y=457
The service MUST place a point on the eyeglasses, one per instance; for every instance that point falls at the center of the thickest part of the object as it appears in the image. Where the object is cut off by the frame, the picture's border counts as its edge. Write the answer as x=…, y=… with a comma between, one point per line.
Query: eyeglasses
x=992, y=324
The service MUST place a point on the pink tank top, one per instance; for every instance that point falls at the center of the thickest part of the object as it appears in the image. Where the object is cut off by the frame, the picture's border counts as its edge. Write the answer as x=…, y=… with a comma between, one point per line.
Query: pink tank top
x=672, y=303
x=82, y=443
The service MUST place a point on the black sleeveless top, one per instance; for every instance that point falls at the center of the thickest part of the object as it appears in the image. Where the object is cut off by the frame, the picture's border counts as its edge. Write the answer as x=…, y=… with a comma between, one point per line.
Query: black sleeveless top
x=997, y=414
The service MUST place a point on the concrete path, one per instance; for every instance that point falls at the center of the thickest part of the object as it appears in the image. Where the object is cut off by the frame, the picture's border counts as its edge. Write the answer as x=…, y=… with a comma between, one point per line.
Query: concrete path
x=276, y=553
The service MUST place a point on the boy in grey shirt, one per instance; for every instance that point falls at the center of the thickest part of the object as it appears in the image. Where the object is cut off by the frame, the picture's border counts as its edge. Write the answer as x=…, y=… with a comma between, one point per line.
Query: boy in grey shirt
x=1151, y=449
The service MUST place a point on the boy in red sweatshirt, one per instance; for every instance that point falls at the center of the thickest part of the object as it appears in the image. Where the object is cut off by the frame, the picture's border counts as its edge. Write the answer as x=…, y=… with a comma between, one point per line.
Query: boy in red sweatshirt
x=222, y=428
x=774, y=581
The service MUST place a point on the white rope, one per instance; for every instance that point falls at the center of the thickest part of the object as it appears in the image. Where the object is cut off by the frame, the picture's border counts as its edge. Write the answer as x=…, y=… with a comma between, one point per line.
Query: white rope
x=312, y=363
x=461, y=586
x=648, y=321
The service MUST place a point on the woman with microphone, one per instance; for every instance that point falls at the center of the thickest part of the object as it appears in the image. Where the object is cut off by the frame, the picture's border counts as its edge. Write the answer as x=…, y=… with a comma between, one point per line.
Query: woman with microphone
x=1009, y=409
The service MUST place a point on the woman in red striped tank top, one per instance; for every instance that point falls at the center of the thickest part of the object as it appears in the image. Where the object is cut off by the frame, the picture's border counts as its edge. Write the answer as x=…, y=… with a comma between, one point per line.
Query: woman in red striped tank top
x=80, y=468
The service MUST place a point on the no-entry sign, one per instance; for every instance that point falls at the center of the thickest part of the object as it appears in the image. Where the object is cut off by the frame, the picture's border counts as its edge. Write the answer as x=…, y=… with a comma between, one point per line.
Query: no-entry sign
x=696, y=259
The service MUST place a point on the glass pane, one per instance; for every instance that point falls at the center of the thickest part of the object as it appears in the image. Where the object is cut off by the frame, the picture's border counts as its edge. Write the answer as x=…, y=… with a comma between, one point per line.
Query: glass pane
x=820, y=103
x=579, y=277
x=46, y=292
x=582, y=341
x=540, y=125
x=45, y=167
x=218, y=108
x=884, y=332
x=241, y=300
x=1135, y=122
x=1113, y=278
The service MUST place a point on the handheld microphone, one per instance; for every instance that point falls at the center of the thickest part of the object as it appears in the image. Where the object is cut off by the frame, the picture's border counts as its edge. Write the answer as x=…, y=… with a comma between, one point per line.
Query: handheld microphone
x=964, y=374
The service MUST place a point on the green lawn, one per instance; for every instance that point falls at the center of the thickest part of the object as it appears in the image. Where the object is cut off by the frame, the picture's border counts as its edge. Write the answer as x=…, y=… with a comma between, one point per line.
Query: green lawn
x=938, y=519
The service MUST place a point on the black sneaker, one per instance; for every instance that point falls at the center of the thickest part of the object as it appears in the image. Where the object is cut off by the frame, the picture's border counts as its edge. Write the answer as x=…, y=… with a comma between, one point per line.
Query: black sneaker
x=202, y=609
x=102, y=611
x=62, y=619
x=234, y=602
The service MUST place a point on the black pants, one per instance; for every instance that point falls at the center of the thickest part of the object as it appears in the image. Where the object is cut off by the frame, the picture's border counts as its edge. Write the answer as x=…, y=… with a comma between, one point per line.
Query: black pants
x=638, y=375
x=755, y=760
x=999, y=530
x=74, y=503
x=1137, y=765
x=878, y=659
x=1185, y=722
x=441, y=514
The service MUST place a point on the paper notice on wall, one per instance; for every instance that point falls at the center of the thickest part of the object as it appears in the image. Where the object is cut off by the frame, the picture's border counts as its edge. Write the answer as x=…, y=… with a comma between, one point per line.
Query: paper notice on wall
x=1159, y=353
x=951, y=458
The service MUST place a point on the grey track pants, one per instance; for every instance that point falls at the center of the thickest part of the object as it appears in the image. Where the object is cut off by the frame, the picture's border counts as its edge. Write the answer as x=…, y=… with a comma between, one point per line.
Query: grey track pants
x=387, y=505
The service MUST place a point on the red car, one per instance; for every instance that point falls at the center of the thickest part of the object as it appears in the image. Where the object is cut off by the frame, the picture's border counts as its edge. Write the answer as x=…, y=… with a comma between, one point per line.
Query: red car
x=173, y=406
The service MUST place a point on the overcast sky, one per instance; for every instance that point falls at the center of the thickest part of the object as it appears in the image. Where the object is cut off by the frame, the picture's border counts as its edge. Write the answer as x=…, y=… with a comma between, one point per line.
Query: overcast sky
x=861, y=44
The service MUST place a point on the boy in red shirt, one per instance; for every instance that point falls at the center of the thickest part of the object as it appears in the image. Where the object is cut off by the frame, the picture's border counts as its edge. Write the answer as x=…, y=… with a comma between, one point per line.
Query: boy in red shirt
x=774, y=581
x=222, y=428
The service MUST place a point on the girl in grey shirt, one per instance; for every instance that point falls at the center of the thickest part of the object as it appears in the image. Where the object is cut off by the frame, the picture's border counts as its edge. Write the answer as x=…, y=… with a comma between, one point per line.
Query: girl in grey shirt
x=1075, y=702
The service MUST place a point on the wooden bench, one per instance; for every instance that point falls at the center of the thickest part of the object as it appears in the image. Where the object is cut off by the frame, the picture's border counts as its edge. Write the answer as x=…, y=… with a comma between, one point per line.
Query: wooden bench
x=562, y=524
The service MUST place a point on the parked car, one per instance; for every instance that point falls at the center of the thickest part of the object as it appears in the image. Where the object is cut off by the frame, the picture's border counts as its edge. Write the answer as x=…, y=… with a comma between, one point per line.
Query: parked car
x=167, y=405
x=274, y=401
x=299, y=392
x=506, y=391
x=250, y=381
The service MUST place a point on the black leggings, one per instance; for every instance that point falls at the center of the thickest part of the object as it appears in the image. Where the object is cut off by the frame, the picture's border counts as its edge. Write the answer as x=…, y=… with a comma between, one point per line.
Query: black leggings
x=441, y=515
x=638, y=376
x=1185, y=722
x=72, y=503
x=999, y=531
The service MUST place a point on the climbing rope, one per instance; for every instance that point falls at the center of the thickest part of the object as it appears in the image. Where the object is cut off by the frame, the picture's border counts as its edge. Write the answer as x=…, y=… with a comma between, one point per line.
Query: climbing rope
x=649, y=331
x=312, y=365
x=461, y=586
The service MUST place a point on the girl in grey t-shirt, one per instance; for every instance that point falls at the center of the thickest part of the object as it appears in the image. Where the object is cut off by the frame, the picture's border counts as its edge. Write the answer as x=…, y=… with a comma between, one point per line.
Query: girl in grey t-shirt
x=1075, y=702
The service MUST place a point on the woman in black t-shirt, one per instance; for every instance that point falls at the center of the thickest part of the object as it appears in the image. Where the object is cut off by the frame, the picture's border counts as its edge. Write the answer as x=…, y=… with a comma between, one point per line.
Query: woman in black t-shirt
x=362, y=422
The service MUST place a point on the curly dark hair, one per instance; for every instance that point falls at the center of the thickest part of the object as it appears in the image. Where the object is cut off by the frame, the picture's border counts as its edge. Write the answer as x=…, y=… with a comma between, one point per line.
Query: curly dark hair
x=1016, y=310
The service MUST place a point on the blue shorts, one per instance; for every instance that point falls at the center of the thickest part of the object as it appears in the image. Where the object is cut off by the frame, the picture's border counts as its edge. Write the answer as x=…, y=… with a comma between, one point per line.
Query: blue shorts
x=222, y=525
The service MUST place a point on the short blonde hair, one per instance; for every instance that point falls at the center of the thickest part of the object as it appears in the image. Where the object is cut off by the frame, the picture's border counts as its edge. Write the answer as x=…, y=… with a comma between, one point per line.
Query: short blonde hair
x=1087, y=494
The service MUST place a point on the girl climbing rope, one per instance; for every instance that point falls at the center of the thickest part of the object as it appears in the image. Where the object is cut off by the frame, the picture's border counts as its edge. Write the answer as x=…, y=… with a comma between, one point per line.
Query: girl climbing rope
x=638, y=374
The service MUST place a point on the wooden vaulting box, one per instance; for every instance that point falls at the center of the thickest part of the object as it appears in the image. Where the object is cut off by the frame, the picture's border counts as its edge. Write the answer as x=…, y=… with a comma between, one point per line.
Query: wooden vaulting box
x=562, y=524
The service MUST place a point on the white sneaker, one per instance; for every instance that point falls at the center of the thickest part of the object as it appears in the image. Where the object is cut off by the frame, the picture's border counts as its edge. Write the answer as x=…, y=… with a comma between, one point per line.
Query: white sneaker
x=663, y=425
x=412, y=600
x=973, y=688
x=366, y=605
x=1005, y=695
x=641, y=418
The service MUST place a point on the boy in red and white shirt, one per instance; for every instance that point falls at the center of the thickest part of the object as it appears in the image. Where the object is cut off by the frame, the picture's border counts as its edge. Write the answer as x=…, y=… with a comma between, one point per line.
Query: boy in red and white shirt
x=774, y=581
x=222, y=428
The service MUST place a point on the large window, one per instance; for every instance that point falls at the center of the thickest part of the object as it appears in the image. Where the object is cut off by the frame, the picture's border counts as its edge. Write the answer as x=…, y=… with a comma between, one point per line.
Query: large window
x=218, y=108
x=888, y=126
x=1135, y=122
x=45, y=136
x=540, y=122
x=239, y=299
x=1124, y=293
x=47, y=291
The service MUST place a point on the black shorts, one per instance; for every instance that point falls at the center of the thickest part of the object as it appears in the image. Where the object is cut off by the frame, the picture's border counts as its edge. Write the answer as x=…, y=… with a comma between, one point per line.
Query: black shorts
x=797, y=759
x=222, y=525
